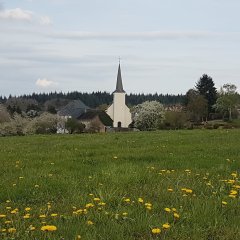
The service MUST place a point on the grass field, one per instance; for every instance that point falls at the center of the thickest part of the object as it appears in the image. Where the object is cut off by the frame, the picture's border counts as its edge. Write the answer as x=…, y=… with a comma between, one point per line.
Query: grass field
x=144, y=185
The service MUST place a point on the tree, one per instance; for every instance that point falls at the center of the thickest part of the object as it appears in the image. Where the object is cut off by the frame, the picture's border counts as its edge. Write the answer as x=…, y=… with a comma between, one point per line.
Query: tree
x=148, y=115
x=227, y=100
x=4, y=115
x=74, y=126
x=197, y=107
x=205, y=87
x=175, y=120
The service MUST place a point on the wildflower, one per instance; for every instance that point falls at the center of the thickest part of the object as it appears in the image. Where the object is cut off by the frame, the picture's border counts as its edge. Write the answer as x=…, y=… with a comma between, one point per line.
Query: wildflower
x=49, y=228
x=140, y=200
x=42, y=216
x=8, y=222
x=166, y=225
x=36, y=186
x=234, y=175
x=170, y=190
x=89, y=205
x=12, y=230
x=167, y=209
x=127, y=200
x=27, y=209
x=26, y=216
x=233, y=192
x=89, y=222
x=54, y=215
x=189, y=190
x=31, y=228
x=2, y=215
x=224, y=203
x=156, y=230
x=96, y=199
x=176, y=215
x=125, y=214
x=14, y=211
x=78, y=237
x=102, y=204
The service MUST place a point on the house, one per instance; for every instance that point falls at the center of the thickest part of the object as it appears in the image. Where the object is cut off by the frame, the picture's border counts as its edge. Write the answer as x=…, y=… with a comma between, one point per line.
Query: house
x=96, y=121
x=118, y=111
x=73, y=109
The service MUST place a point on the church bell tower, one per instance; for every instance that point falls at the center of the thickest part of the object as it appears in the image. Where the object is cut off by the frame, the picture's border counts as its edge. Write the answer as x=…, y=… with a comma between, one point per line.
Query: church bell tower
x=118, y=111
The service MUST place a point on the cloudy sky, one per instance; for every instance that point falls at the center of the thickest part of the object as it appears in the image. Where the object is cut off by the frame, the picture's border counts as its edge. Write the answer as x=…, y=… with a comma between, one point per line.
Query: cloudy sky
x=74, y=45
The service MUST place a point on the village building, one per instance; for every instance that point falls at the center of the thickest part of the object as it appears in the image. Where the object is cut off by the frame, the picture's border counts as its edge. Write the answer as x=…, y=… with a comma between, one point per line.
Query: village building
x=118, y=111
x=94, y=120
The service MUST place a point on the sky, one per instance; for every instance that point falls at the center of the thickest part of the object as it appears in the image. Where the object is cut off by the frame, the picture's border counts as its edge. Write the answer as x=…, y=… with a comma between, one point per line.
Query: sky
x=165, y=46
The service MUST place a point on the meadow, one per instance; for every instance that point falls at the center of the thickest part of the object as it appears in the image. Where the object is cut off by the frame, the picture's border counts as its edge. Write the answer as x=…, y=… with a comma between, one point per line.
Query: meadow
x=121, y=186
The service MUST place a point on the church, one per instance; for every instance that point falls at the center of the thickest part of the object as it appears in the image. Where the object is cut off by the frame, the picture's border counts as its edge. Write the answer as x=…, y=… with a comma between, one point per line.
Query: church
x=118, y=111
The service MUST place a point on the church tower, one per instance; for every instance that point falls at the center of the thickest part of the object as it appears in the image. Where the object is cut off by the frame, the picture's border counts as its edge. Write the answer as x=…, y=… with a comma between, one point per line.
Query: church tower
x=118, y=111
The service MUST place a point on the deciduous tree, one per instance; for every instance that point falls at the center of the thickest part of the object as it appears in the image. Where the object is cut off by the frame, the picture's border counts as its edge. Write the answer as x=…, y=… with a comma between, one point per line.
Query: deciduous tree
x=148, y=115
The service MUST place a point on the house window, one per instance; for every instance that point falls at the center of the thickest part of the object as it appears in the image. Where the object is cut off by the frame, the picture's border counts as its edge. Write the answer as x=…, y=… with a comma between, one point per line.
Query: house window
x=119, y=124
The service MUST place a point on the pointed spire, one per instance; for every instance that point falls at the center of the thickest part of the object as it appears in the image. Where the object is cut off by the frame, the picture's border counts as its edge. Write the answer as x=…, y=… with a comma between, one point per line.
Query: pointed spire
x=119, y=85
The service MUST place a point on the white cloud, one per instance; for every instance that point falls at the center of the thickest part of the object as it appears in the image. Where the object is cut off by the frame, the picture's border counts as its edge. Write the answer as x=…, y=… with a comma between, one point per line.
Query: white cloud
x=45, y=83
x=16, y=14
x=45, y=20
x=24, y=15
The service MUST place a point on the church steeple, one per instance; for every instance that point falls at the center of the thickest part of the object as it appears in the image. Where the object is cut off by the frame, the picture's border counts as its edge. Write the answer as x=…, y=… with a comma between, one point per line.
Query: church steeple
x=119, y=85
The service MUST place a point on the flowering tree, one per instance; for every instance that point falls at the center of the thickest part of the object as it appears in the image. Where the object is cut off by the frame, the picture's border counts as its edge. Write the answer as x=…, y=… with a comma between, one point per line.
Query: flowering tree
x=228, y=99
x=148, y=115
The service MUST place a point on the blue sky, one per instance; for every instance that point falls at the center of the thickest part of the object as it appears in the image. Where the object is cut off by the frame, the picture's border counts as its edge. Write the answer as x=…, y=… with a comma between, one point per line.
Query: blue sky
x=74, y=45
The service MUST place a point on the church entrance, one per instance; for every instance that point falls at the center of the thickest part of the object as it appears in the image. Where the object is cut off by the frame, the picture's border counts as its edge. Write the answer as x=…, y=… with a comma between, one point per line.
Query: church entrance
x=119, y=125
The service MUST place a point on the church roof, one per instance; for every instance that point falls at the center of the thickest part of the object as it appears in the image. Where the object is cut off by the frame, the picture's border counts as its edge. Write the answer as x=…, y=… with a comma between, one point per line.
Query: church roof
x=74, y=109
x=119, y=85
x=103, y=116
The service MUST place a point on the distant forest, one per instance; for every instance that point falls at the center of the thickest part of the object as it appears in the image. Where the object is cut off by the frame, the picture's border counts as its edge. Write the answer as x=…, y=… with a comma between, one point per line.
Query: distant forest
x=96, y=99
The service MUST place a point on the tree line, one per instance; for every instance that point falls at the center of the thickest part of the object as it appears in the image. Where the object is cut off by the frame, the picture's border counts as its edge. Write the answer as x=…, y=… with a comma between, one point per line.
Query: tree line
x=96, y=99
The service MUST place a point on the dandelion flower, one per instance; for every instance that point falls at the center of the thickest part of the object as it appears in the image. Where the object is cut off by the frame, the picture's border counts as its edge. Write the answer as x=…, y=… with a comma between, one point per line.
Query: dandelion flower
x=166, y=225
x=49, y=228
x=167, y=209
x=156, y=230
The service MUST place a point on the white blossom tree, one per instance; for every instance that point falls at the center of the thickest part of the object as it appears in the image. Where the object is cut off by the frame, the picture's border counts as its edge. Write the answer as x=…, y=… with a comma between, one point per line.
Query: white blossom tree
x=148, y=115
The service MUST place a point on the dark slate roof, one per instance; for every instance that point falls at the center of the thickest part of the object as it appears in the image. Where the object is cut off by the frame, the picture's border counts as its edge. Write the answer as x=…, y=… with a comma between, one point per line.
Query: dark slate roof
x=103, y=116
x=74, y=109
x=119, y=85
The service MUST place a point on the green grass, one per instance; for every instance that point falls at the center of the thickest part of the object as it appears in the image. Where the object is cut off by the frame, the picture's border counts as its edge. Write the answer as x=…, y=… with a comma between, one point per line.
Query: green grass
x=62, y=173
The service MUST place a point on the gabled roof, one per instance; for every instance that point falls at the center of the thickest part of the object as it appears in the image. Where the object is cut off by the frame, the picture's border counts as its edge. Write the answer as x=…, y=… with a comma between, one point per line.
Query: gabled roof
x=74, y=109
x=103, y=116
x=119, y=85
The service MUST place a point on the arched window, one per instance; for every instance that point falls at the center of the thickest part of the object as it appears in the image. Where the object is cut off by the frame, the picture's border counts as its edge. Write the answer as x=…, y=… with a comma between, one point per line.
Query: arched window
x=119, y=124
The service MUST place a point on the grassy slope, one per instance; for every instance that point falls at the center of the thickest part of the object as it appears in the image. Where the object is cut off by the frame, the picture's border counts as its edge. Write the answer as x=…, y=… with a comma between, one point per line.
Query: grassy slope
x=113, y=166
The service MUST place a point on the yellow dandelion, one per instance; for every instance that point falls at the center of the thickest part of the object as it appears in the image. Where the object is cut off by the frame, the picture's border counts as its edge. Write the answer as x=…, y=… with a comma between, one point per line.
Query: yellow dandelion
x=32, y=228
x=54, y=215
x=140, y=200
x=89, y=222
x=166, y=225
x=125, y=214
x=89, y=205
x=167, y=209
x=27, y=209
x=49, y=228
x=176, y=215
x=12, y=230
x=2, y=215
x=224, y=203
x=96, y=199
x=156, y=230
